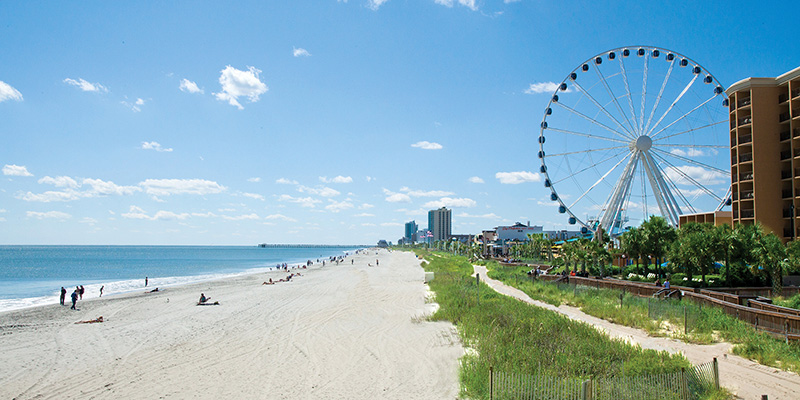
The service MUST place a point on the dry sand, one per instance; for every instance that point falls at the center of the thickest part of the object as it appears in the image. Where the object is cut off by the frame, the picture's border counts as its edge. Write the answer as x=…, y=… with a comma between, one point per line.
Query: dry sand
x=336, y=332
x=745, y=378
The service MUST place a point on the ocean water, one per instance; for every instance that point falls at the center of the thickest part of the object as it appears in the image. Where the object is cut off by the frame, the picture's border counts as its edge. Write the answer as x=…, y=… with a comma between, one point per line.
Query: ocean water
x=34, y=275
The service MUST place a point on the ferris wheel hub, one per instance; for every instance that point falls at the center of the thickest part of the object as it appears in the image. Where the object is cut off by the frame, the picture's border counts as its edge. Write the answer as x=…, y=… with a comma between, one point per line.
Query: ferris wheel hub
x=644, y=143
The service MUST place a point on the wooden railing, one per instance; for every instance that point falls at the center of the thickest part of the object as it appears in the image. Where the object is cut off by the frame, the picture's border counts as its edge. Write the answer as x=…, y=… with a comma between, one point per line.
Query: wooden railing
x=763, y=316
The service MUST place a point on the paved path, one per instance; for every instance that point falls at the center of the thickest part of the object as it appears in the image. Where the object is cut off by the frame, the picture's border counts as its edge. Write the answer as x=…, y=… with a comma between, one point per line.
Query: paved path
x=746, y=378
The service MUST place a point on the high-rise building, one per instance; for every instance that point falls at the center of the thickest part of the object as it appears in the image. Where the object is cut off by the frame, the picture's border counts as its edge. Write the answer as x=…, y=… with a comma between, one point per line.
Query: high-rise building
x=765, y=152
x=439, y=224
x=411, y=231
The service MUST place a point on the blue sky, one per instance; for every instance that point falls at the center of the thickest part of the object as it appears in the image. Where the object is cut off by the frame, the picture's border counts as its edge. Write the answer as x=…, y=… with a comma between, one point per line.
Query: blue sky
x=312, y=121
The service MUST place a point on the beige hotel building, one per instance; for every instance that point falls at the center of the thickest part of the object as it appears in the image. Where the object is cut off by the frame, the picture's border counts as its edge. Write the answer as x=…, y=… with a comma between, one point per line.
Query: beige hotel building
x=765, y=152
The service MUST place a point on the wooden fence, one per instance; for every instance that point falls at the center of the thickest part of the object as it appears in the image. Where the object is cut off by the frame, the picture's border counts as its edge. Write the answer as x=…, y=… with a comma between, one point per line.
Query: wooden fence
x=772, y=319
x=680, y=385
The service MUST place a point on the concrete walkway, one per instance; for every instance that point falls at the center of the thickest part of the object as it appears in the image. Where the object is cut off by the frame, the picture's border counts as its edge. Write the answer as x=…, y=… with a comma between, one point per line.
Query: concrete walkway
x=745, y=378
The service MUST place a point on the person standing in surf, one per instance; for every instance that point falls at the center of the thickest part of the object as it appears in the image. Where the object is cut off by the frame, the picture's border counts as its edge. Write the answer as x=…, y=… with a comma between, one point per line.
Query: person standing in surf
x=74, y=299
x=63, y=295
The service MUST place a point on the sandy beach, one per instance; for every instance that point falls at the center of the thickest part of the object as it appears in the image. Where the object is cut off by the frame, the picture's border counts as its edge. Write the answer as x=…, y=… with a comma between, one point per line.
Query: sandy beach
x=348, y=331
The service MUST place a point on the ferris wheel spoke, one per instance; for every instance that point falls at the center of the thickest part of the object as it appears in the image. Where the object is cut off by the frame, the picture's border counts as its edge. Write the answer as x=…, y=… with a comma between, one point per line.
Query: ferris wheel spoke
x=588, y=135
x=689, y=178
x=600, y=124
x=689, y=131
x=691, y=146
x=603, y=161
x=616, y=198
x=683, y=116
x=658, y=186
x=586, y=151
x=674, y=102
x=644, y=93
x=614, y=98
x=644, y=193
x=673, y=185
x=602, y=109
x=627, y=88
x=601, y=179
x=660, y=94
x=689, y=160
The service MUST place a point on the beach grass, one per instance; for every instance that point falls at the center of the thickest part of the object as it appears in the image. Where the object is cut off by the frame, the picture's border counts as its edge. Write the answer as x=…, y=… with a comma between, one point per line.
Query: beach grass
x=706, y=324
x=509, y=335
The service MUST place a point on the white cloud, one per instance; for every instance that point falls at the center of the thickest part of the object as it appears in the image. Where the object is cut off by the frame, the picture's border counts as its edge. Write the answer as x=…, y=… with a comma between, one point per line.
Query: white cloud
x=237, y=83
x=155, y=146
x=101, y=187
x=375, y=4
x=517, y=177
x=476, y=179
x=253, y=196
x=466, y=3
x=189, y=86
x=489, y=216
x=370, y=179
x=247, y=217
x=134, y=106
x=543, y=87
x=338, y=179
x=300, y=52
x=425, y=145
x=51, y=196
x=137, y=213
x=49, y=214
x=393, y=197
x=319, y=191
x=16, y=170
x=421, y=193
x=688, y=153
x=391, y=224
x=60, y=181
x=166, y=187
x=303, y=201
x=7, y=92
x=450, y=202
x=365, y=206
x=368, y=224
x=702, y=175
x=88, y=221
x=284, y=181
x=336, y=206
x=416, y=212
x=281, y=217
x=86, y=86
x=254, y=179
x=364, y=215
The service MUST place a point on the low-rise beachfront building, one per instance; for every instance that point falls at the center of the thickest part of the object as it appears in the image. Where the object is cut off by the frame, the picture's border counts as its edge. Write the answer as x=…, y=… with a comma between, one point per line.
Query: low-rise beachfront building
x=562, y=234
x=716, y=218
x=518, y=232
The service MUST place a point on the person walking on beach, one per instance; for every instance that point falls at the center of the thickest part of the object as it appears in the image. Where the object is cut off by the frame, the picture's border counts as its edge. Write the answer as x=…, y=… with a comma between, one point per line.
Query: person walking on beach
x=74, y=299
x=80, y=291
x=145, y=281
x=101, y=290
x=63, y=295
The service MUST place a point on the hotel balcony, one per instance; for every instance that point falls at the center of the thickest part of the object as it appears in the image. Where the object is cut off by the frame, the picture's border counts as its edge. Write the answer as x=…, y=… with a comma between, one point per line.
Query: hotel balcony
x=783, y=117
x=746, y=157
x=744, y=121
x=747, y=176
x=785, y=135
x=747, y=214
x=786, y=194
x=785, y=155
x=786, y=174
x=742, y=103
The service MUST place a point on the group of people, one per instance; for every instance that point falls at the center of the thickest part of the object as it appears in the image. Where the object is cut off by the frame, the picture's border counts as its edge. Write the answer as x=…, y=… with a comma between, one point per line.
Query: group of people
x=287, y=279
x=76, y=294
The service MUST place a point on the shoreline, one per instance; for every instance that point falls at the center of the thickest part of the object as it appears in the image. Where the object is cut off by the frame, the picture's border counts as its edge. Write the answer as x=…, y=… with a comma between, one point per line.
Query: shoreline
x=119, y=286
x=340, y=331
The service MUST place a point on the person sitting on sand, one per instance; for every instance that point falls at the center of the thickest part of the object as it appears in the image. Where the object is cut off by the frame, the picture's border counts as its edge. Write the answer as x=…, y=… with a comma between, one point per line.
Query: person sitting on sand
x=269, y=283
x=203, y=299
x=91, y=321
x=153, y=291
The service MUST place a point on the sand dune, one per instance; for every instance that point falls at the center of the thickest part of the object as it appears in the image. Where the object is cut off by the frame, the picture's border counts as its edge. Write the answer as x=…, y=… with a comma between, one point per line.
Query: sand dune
x=337, y=332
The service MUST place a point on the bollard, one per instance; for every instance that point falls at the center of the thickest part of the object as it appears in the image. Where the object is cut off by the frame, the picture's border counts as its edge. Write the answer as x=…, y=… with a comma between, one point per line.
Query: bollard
x=478, y=288
x=716, y=373
x=491, y=383
x=764, y=397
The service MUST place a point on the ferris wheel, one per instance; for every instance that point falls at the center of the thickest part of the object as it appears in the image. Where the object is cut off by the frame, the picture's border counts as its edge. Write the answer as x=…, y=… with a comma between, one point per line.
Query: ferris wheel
x=634, y=132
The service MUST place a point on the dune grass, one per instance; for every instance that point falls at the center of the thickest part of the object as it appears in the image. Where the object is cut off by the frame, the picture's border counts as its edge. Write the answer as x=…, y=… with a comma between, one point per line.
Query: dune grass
x=705, y=324
x=512, y=336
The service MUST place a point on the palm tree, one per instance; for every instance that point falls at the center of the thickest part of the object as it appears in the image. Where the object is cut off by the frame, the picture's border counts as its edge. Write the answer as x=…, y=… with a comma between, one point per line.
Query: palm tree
x=632, y=244
x=658, y=236
x=771, y=254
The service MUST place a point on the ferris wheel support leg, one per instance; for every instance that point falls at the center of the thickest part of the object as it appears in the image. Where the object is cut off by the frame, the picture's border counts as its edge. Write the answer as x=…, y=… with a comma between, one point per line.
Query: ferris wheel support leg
x=656, y=185
x=617, y=198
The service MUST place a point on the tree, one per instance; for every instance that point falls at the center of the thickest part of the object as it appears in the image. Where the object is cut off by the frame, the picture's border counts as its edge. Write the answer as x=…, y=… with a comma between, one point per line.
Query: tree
x=771, y=255
x=658, y=237
x=632, y=244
